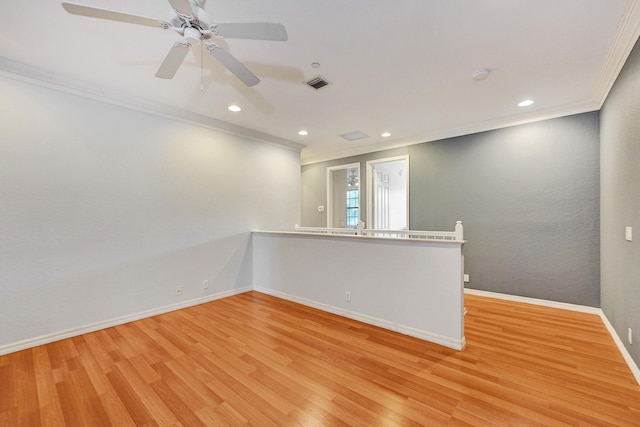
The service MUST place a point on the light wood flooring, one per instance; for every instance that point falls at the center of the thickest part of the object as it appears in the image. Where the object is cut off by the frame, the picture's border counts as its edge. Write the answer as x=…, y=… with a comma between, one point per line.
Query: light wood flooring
x=253, y=359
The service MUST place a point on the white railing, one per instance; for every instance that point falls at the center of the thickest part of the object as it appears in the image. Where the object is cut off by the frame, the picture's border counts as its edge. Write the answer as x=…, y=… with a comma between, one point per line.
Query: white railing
x=451, y=236
x=324, y=230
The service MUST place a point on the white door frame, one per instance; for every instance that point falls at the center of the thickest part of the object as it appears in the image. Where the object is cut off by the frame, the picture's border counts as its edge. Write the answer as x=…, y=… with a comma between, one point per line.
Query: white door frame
x=370, y=184
x=330, y=192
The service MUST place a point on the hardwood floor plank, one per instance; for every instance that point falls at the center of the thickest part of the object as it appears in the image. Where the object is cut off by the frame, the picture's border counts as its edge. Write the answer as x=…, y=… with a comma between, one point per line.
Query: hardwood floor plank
x=256, y=360
x=146, y=394
x=49, y=403
x=130, y=399
x=8, y=379
x=26, y=390
x=189, y=371
x=71, y=402
x=176, y=404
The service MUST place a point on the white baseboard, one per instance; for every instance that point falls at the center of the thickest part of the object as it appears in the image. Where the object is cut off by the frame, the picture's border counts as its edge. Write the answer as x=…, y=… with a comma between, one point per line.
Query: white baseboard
x=573, y=307
x=85, y=329
x=623, y=350
x=437, y=339
x=535, y=301
x=406, y=330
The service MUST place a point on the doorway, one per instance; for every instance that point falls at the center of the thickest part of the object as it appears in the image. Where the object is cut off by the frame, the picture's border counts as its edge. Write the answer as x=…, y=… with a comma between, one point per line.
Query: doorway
x=388, y=193
x=343, y=196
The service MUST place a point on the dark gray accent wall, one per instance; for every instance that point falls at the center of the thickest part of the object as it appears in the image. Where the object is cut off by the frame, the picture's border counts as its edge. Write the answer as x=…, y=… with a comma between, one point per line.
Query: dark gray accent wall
x=528, y=197
x=620, y=203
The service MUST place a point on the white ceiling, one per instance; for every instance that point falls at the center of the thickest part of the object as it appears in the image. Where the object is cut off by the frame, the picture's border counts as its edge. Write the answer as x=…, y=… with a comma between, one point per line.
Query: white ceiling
x=404, y=66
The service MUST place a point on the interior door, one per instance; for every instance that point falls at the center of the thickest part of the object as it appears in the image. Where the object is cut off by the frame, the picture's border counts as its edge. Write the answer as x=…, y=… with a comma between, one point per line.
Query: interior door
x=388, y=193
x=380, y=200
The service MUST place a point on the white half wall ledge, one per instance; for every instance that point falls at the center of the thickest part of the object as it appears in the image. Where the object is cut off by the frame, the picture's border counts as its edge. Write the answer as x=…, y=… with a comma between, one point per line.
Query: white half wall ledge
x=405, y=330
x=85, y=329
x=572, y=307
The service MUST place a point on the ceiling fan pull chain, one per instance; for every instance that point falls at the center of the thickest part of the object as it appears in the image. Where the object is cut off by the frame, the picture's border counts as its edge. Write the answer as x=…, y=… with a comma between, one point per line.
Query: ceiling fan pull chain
x=201, y=67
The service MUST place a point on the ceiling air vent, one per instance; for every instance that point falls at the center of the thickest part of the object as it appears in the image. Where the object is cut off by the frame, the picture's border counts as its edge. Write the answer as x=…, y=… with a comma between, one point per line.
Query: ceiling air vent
x=352, y=136
x=318, y=82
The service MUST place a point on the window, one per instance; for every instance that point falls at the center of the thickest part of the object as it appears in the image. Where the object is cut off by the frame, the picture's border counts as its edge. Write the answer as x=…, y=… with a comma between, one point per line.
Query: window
x=353, y=214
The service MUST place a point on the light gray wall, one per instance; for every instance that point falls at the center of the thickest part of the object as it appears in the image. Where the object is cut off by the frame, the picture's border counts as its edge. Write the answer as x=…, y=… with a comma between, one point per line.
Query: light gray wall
x=620, y=203
x=338, y=202
x=104, y=210
x=528, y=197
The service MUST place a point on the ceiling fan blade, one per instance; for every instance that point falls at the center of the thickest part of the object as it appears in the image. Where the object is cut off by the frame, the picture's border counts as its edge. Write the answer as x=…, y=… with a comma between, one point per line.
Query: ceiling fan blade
x=93, y=12
x=183, y=6
x=253, y=31
x=173, y=60
x=232, y=64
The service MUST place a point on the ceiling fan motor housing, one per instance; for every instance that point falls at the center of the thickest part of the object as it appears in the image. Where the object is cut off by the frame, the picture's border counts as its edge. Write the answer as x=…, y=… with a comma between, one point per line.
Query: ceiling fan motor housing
x=192, y=35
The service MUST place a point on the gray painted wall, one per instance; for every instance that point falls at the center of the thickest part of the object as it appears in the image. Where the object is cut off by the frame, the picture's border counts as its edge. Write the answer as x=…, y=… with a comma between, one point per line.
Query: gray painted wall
x=620, y=203
x=105, y=210
x=528, y=197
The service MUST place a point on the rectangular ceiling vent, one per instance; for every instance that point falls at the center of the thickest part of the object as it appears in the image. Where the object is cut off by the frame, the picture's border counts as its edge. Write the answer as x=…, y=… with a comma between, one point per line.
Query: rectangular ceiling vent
x=318, y=82
x=352, y=136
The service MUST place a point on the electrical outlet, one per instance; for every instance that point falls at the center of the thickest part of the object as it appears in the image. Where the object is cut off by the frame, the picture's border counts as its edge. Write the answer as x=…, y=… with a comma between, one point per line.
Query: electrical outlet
x=205, y=284
x=178, y=290
x=466, y=278
x=630, y=335
x=347, y=296
x=628, y=234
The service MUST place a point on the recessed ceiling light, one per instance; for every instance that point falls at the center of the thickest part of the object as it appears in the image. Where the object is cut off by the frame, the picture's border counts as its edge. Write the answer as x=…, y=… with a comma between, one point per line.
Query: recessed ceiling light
x=525, y=103
x=315, y=65
x=385, y=134
x=234, y=108
x=303, y=133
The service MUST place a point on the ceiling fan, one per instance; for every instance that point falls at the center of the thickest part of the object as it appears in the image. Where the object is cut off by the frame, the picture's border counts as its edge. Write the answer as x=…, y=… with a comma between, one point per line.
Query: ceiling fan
x=193, y=23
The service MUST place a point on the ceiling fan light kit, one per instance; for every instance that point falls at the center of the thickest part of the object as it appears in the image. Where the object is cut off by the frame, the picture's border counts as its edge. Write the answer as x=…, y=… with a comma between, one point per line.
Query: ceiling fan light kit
x=481, y=74
x=193, y=23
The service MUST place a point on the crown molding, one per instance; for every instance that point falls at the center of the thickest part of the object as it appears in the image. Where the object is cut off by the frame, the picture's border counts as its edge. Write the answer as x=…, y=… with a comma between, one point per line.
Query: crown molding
x=453, y=132
x=44, y=78
x=624, y=41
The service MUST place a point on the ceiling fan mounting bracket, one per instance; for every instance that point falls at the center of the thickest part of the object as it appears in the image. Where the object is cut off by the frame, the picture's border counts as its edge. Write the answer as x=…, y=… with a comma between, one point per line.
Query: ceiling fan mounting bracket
x=214, y=31
x=211, y=47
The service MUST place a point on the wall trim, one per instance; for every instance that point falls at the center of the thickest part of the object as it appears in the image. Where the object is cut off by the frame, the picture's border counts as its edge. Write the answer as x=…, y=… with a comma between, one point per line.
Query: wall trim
x=92, y=327
x=623, y=350
x=406, y=330
x=573, y=307
x=434, y=338
x=623, y=42
x=536, y=301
